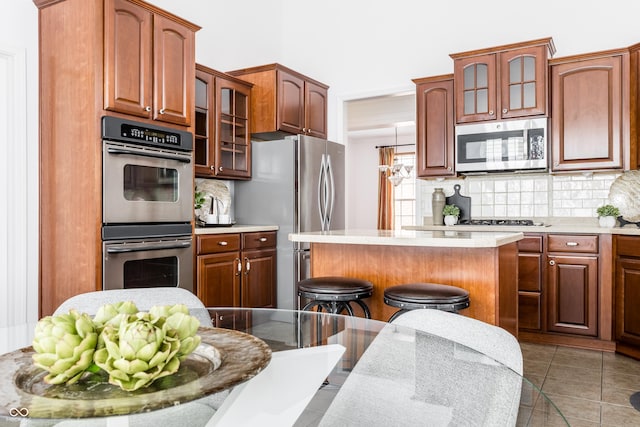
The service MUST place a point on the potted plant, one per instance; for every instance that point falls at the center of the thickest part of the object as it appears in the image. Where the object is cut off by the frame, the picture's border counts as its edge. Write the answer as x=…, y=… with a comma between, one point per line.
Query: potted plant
x=607, y=215
x=451, y=214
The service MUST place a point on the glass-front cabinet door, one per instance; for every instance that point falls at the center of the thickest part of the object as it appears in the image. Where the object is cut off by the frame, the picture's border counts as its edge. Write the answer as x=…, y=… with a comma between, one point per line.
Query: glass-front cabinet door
x=475, y=79
x=523, y=82
x=204, y=130
x=234, y=140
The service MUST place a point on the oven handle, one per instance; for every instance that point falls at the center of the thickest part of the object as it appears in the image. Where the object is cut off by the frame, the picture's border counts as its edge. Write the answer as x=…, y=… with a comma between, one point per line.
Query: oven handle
x=121, y=249
x=112, y=150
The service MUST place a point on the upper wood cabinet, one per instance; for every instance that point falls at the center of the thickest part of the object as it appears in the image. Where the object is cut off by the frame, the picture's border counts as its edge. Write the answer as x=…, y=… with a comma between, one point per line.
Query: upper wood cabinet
x=148, y=62
x=502, y=82
x=222, y=138
x=285, y=102
x=435, y=127
x=590, y=129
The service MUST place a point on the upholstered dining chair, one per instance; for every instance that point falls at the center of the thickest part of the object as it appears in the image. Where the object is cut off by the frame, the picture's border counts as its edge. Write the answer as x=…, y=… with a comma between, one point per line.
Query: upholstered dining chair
x=436, y=368
x=144, y=298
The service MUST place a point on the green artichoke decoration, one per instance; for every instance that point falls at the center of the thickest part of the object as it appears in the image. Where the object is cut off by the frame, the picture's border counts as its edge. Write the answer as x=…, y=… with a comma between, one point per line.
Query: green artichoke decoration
x=139, y=350
x=64, y=346
x=134, y=348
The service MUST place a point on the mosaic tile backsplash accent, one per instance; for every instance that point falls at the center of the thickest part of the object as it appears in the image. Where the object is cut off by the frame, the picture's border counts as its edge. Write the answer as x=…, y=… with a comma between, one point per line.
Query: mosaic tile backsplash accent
x=525, y=196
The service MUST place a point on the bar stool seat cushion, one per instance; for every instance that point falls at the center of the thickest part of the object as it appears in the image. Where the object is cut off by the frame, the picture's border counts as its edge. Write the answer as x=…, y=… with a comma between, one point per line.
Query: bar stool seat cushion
x=334, y=285
x=426, y=293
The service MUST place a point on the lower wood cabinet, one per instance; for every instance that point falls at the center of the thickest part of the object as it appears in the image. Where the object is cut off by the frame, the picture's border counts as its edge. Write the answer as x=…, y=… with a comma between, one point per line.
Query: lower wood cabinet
x=237, y=269
x=531, y=269
x=627, y=295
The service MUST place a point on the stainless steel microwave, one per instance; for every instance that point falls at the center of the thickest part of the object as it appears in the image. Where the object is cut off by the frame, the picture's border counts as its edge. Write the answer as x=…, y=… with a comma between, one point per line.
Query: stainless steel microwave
x=515, y=145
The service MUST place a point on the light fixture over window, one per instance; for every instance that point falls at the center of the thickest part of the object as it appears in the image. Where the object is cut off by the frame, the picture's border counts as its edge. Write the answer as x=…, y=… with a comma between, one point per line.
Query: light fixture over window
x=397, y=171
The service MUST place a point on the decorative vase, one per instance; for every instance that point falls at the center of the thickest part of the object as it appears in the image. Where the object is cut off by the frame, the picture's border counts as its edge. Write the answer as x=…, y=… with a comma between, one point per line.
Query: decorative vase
x=438, y=200
x=607, y=221
x=450, y=220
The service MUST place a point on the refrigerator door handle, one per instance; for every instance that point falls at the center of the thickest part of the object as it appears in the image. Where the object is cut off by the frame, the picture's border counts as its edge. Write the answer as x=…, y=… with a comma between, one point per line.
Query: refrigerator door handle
x=332, y=191
x=322, y=193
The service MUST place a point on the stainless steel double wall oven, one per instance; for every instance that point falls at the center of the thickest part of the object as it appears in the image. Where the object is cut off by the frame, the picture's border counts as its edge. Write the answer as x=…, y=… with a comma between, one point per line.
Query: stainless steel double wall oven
x=147, y=205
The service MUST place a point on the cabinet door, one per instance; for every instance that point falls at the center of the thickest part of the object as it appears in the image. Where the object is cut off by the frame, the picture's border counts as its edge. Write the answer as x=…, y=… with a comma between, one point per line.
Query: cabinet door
x=173, y=71
x=523, y=82
x=588, y=119
x=315, y=110
x=233, y=139
x=259, y=279
x=627, y=293
x=219, y=279
x=205, y=129
x=530, y=283
x=572, y=295
x=290, y=116
x=475, y=82
x=435, y=143
x=127, y=58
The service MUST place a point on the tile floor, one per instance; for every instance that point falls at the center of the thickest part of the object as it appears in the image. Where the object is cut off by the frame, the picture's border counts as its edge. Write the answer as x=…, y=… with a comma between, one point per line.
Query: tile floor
x=591, y=388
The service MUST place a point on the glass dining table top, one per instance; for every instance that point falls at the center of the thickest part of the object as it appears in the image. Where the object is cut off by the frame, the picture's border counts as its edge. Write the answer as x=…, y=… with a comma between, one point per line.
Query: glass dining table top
x=327, y=370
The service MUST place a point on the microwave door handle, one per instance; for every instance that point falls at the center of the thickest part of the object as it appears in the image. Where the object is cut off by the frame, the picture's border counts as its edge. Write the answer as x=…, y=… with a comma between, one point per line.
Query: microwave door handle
x=183, y=159
x=126, y=248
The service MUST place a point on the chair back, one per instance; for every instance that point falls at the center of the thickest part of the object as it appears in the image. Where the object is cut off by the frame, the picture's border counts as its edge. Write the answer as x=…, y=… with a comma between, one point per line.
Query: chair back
x=144, y=299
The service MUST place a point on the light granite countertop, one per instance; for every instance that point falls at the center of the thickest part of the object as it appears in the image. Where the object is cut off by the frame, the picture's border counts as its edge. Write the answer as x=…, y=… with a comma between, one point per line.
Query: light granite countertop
x=236, y=228
x=449, y=237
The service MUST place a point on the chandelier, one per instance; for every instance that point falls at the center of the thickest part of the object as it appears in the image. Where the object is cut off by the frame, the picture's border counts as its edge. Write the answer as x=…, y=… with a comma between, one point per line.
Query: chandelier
x=397, y=171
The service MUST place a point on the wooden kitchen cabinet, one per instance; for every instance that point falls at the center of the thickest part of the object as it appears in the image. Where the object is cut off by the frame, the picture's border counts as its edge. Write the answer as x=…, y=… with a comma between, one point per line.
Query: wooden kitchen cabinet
x=92, y=54
x=237, y=269
x=531, y=282
x=572, y=295
x=502, y=82
x=627, y=295
x=435, y=146
x=148, y=63
x=222, y=137
x=285, y=102
x=590, y=129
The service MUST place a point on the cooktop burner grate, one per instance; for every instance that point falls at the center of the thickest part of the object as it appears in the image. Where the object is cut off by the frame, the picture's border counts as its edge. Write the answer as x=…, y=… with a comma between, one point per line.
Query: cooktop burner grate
x=501, y=222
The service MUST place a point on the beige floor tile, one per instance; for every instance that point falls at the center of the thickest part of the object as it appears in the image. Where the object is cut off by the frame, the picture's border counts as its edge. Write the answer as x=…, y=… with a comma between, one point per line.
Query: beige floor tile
x=613, y=415
x=619, y=363
x=571, y=407
x=535, y=367
x=589, y=376
x=621, y=380
x=573, y=388
x=616, y=396
x=578, y=359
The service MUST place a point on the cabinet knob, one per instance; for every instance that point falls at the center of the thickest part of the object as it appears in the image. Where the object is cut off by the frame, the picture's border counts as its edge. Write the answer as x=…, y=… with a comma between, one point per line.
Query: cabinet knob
x=504, y=111
x=263, y=239
x=220, y=169
x=247, y=267
x=212, y=167
x=552, y=262
x=449, y=168
x=572, y=243
x=239, y=266
x=491, y=113
x=161, y=111
x=223, y=243
x=147, y=108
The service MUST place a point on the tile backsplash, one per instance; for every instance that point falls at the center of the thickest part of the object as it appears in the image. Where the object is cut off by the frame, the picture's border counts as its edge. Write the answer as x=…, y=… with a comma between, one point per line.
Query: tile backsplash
x=525, y=196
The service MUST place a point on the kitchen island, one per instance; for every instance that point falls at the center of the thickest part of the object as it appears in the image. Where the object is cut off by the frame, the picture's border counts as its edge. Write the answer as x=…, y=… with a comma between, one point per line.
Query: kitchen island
x=483, y=263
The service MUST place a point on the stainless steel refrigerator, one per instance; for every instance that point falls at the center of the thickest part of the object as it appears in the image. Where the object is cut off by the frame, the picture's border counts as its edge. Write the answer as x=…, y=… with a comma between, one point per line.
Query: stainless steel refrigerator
x=298, y=184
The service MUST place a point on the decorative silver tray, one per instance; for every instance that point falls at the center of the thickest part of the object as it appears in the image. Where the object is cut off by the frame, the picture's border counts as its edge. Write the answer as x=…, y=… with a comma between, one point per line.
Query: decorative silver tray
x=22, y=386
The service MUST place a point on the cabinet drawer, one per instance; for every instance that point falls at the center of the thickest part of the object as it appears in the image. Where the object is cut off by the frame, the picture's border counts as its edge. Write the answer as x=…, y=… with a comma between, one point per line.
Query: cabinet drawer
x=530, y=244
x=628, y=246
x=259, y=240
x=218, y=243
x=572, y=243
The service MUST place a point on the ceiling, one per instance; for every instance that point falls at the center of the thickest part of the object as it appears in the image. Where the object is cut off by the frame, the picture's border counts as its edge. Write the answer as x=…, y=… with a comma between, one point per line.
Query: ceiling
x=378, y=117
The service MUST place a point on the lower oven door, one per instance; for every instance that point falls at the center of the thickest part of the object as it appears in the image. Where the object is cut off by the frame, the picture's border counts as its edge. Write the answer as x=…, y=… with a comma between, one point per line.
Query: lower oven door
x=146, y=185
x=148, y=263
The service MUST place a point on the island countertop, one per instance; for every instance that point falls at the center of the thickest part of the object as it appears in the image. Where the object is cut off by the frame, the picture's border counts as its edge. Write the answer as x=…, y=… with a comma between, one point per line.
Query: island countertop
x=423, y=238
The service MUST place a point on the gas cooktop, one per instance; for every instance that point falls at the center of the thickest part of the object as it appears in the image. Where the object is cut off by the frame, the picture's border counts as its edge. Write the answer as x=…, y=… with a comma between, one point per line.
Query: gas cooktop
x=517, y=222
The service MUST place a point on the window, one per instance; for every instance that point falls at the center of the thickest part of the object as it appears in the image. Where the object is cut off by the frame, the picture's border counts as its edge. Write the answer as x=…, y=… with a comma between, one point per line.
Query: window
x=404, y=194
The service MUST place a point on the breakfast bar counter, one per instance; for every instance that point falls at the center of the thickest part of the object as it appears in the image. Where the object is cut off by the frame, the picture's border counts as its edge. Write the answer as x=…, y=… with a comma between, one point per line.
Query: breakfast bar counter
x=483, y=263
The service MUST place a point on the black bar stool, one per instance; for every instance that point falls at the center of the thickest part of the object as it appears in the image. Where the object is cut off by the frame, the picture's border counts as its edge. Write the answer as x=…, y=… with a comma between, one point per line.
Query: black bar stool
x=335, y=294
x=425, y=295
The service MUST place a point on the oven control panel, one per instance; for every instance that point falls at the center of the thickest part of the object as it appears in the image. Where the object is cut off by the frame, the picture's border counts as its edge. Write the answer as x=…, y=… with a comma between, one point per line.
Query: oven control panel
x=122, y=130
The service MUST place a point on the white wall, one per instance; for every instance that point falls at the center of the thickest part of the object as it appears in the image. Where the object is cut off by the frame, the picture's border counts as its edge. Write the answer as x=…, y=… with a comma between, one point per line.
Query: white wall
x=359, y=47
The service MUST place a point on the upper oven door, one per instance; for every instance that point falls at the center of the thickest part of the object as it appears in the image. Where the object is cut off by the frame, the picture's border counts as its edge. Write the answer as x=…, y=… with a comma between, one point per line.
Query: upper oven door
x=146, y=185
